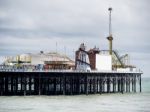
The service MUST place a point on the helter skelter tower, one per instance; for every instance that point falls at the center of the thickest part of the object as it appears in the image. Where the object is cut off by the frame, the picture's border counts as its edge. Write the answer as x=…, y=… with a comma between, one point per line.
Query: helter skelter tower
x=110, y=38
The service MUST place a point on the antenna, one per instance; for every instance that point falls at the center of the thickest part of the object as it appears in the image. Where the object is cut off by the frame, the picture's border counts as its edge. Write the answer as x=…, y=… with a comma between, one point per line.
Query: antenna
x=73, y=56
x=56, y=47
x=65, y=50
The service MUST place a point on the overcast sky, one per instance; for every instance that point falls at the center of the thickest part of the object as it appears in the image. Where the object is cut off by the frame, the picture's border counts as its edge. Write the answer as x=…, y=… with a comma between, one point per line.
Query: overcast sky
x=34, y=25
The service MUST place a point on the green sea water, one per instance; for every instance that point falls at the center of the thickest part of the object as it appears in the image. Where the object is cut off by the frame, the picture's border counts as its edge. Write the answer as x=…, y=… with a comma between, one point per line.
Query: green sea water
x=128, y=102
x=146, y=85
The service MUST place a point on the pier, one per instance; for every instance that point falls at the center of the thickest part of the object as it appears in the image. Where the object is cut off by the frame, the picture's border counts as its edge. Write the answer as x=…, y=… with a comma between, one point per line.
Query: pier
x=94, y=71
x=68, y=83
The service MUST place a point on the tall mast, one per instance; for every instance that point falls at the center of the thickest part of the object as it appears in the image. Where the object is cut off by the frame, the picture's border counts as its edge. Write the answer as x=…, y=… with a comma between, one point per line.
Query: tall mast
x=110, y=38
x=110, y=30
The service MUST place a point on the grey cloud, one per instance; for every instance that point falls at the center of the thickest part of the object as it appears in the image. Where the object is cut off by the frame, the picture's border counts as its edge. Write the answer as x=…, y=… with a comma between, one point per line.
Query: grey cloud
x=24, y=24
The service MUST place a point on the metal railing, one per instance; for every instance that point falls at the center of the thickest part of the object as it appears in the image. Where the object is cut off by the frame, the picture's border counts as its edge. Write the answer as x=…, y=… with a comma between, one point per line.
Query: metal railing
x=6, y=68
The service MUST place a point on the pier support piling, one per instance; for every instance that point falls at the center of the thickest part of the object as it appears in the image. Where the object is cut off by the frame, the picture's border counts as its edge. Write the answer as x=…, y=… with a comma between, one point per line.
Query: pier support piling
x=140, y=84
x=34, y=83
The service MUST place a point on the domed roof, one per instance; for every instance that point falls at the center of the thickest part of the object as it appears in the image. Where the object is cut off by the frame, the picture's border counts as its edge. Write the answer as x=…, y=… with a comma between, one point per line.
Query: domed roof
x=41, y=58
